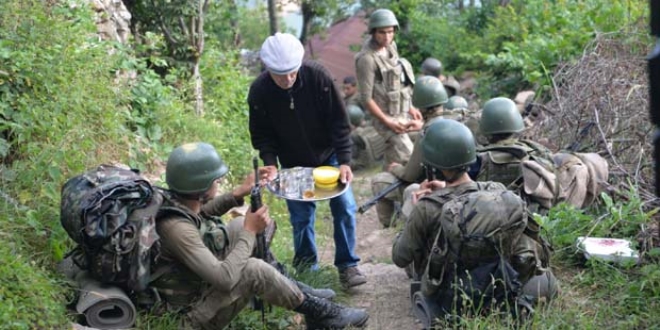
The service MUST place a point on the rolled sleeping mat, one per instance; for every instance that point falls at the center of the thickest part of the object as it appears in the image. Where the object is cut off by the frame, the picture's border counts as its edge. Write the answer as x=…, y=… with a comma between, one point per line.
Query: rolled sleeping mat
x=104, y=306
x=425, y=310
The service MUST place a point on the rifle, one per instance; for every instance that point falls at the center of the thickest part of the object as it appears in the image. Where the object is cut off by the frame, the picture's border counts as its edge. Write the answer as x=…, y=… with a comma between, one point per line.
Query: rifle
x=262, y=249
x=371, y=202
x=575, y=146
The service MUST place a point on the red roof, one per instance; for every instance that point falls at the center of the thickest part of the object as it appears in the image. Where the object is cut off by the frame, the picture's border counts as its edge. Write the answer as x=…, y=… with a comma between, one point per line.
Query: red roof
x=333, y=48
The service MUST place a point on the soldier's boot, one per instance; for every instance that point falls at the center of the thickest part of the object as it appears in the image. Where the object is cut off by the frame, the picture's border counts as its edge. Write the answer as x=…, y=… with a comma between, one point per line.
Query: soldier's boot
x=324, y=314
x=319, y=293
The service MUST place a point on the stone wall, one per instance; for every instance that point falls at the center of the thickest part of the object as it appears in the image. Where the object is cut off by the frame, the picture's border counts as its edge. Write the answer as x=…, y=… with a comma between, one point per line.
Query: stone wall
x=112, y=20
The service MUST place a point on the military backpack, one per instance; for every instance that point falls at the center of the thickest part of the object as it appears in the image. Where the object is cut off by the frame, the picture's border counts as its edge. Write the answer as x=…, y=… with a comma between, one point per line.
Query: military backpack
x=110, y=212
x=470, y=264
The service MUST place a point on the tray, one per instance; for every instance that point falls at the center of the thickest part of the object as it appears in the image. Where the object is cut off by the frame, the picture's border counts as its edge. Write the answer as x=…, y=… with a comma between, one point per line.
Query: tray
x=305, y=183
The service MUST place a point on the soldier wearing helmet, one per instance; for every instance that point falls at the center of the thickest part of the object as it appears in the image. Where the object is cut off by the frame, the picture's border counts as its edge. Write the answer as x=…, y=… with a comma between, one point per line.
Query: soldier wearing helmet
x=501, y=159
x=204, y=258
x=431, y=99
x=433, y=67
x=448, y=151
x=385, y=84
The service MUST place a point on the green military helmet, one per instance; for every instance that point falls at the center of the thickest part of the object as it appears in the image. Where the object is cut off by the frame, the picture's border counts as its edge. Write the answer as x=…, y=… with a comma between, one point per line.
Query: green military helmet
x=500, y=115
x=382, y=18
x=456, y=103
x=355, y=115
x=192, y=168
x=428, y=92
x=432, y=67
x=448, y=144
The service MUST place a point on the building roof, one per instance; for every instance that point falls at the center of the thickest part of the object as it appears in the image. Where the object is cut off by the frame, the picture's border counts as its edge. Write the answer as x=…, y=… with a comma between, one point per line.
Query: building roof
x=333, y=48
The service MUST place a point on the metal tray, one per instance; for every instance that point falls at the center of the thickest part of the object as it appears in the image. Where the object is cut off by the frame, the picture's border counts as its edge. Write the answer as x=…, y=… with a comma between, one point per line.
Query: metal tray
x=305, y=182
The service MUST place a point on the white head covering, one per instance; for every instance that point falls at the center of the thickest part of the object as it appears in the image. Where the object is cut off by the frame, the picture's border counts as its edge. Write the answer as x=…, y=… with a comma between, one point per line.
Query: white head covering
x=282, y=53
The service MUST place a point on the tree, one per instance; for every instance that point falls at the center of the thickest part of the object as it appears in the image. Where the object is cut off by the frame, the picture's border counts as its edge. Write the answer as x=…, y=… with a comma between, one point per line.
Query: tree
x=181, y=22
x=317, y=15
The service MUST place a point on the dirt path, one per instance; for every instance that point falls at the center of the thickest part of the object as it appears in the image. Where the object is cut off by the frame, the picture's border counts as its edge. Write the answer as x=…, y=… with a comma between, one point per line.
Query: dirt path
x=386, y=295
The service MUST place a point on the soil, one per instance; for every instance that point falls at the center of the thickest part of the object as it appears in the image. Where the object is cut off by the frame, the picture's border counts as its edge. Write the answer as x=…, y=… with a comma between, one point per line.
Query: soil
x=386, y=295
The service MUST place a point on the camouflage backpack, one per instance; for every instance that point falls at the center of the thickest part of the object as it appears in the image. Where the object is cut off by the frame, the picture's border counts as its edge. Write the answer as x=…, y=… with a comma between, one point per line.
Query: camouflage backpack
x=110, y=212
x=368, y=147
x=470, y=264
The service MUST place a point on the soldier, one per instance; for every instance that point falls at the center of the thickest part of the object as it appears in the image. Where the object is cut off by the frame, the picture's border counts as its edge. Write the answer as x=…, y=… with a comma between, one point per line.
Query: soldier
x=209, y=271
x=350, y=91
x=457, y=103
x=429, y=96
x=385, y=84
x=501, y=160
x=438, y=229
x=541, y=178
x=433, y=67
x=470, y=117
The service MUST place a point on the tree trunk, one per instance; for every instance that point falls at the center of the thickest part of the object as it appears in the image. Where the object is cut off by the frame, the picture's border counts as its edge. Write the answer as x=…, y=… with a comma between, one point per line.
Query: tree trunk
x=233, y=23
x=199, y=91
x=307, y=15
x=272, y=16
x=198, y=37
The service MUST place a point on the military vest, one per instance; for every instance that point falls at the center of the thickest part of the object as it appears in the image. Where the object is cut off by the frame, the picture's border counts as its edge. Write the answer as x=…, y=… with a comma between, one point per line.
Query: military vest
x=393, y=80
x=176, y=283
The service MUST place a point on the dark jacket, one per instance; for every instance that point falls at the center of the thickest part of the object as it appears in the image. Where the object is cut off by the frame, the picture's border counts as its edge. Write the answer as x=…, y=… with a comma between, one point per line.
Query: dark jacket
x=302, y=126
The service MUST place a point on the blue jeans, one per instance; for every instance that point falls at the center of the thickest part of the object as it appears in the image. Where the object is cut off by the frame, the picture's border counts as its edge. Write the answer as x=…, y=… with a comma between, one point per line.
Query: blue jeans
x=302, y=217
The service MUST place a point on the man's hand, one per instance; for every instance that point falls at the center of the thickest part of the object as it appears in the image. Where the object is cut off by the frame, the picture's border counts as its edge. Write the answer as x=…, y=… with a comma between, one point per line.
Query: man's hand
x=267, y=174
x=396, y=125
x=426, y=188
x=256, y=222
x=245, y=187
x=415, y=114
x=415, y=125
x=345, y=174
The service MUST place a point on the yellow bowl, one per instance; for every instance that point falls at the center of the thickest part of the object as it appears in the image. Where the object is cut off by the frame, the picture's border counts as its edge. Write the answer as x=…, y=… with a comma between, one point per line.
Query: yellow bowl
x=328, y=186
x=325, y=175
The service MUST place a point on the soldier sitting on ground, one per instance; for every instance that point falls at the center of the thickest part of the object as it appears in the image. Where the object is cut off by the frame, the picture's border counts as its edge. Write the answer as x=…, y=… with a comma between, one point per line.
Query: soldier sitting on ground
x=429, y=96
x=527, y=167
x=463, y=236
x=213, y=278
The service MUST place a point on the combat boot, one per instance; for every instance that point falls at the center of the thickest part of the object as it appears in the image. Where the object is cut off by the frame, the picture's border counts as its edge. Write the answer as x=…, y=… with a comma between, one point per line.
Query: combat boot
x=324, y=314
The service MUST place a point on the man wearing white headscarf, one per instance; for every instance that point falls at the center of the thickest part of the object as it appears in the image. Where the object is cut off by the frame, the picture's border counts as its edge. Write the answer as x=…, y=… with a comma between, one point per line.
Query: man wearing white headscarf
x=297, y=118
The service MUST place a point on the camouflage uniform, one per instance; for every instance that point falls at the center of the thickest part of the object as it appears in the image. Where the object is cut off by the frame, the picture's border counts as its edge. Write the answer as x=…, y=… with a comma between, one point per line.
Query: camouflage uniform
x=215, y=279
x=502, y=162
x=411, y=174
x=388, y=80
x=413, y=245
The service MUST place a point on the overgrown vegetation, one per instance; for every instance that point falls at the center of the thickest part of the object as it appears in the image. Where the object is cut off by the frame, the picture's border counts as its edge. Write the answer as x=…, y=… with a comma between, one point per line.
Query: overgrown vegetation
x=69, y=102
x=508, y=47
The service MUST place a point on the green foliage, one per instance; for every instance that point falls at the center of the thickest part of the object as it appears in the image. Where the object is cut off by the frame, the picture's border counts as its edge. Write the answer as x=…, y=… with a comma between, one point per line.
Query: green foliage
x=29, y=299
x=605, y=289
x=514, y=46
x=175, y=20
x=226, y=19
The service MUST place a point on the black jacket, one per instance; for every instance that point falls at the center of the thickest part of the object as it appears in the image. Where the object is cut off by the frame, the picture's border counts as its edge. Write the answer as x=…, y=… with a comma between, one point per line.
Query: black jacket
x=302, y=126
